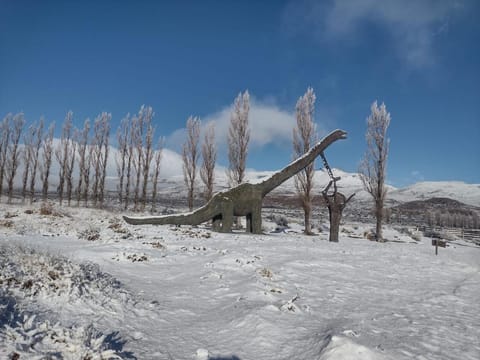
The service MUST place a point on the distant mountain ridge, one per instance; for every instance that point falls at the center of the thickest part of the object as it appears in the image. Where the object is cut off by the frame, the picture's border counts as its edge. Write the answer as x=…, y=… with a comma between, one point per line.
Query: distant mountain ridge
x=351, y=183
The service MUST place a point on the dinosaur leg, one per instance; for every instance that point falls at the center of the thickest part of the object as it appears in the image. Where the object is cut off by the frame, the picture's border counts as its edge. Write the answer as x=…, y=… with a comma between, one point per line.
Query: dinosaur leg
x=227, y=217
x=256, y=220
x=249, y=223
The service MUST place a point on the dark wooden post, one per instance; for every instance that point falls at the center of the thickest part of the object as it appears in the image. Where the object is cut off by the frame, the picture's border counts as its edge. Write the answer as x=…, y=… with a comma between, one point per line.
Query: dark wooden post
x=335, y=202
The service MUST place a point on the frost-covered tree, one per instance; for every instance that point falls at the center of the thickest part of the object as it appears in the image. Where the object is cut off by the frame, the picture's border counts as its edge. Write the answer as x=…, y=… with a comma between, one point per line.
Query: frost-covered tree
x=47, y=157
x=62, y=153
x=137, y=135
x=14, y=151
x=82, y=139
x=129, y=162
x=238, y=139
x=374, y=164
x=209, y=158
x=147, y=150
x=104, y=158
x=4, y=142
x=156, y=172
x=28, y=139
x=122, y=154
x=304, y=137
x=190, y=156
x=37, y=144
x=100, y=149
x=71, y=155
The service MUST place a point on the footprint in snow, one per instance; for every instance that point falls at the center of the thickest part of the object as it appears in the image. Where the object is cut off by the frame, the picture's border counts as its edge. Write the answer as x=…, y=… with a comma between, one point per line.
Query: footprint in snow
x=351, y=333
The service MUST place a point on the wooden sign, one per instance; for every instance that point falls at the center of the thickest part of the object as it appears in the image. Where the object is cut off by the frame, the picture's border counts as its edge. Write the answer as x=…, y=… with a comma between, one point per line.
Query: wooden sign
x=440, y=243
x=437, y=243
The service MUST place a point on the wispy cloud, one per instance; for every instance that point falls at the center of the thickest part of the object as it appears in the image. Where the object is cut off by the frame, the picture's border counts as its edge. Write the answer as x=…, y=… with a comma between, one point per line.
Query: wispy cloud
x=413, y=25
x=416, y=176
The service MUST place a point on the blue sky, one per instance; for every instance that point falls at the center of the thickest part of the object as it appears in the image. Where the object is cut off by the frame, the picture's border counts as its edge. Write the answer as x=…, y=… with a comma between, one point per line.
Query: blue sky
x=422, y=58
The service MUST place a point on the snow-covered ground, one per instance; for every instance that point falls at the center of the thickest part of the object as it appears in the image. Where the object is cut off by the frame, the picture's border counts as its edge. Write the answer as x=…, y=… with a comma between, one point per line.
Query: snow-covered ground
x=83, y=284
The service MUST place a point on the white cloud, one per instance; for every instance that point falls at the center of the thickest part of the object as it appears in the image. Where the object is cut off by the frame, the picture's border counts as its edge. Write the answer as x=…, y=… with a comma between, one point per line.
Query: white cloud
x=412, y=24
x=171, y=164
x=268, y=124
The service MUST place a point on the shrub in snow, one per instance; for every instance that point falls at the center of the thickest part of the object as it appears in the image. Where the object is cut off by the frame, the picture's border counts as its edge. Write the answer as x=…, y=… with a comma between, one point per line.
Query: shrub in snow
x=90, y=234
x=29, y=273
x=369, y=235
x=28, y=276
x=6, y=223
x=267, y=273
x=117, y=227
x=48, y=208
x=32, y=339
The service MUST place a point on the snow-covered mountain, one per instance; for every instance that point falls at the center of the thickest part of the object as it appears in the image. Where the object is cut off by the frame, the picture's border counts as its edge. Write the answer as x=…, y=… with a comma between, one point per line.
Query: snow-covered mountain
x=351, y=183
x=457, y=190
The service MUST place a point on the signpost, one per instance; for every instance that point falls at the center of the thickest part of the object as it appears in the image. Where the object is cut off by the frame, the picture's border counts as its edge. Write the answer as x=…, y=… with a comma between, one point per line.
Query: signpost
x=437, y=243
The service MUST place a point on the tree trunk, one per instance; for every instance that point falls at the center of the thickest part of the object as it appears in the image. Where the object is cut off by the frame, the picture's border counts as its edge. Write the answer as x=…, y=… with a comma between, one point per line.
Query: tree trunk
x=335, y=218
x=307, y=212
x=378, y=231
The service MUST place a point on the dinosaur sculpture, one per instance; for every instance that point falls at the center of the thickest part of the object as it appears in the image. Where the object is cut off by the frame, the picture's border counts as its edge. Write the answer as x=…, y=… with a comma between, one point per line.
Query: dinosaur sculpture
x=242, y=200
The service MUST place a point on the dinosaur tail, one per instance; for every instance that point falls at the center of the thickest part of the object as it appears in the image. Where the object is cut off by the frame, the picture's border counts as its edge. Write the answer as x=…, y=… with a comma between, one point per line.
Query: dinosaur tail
x=191, y=218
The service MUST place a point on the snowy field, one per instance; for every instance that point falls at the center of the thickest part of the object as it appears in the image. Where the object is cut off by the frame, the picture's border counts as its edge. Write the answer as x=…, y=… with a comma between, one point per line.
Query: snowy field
x=82, y=284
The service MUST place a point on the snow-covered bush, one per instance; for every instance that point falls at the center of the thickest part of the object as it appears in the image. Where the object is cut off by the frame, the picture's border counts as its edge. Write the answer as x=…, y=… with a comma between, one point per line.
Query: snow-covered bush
x=29, y=273
x=29, y=282
x=34, y=339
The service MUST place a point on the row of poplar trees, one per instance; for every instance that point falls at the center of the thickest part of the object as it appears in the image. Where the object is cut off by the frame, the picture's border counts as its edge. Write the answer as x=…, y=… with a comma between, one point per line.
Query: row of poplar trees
x=81, y=156
x=36, y=149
